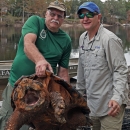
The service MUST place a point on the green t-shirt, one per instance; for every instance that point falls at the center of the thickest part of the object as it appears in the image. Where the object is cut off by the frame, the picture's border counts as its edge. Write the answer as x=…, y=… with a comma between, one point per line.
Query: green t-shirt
x=55, y=47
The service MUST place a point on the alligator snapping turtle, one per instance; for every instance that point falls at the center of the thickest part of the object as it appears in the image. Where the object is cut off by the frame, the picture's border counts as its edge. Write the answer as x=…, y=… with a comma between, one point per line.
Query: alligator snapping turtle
x=47, y=103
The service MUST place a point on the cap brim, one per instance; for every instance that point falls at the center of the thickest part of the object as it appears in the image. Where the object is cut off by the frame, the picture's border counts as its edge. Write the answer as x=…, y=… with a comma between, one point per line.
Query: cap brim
x=89, y=9
x=56, y=8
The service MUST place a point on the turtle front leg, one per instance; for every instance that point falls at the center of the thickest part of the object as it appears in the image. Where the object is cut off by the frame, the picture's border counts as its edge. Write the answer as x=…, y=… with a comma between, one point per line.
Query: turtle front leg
x=58, y=105
x=15, y=121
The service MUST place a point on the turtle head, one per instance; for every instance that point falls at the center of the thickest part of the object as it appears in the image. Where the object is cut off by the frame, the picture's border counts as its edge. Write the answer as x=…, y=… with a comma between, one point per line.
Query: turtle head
x=29, y=95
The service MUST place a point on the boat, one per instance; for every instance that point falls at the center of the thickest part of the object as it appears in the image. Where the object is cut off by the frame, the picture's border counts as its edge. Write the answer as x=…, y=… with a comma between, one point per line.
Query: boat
x=5, y=67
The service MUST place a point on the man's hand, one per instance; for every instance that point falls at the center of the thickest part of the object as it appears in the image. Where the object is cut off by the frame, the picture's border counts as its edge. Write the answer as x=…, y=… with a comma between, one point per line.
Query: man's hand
x=114, y=108
x=41, y=66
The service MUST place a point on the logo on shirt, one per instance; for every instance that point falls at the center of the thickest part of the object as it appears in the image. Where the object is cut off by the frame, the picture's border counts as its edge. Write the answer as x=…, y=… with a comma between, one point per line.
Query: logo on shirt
x=97, y=47
x=42, y=34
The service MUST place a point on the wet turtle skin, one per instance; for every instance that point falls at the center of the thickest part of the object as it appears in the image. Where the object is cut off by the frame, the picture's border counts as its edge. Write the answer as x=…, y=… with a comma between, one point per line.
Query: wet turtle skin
x=47, y=103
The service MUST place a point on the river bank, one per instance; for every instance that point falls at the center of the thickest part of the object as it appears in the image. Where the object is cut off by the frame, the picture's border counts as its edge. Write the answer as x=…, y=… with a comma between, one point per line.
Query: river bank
x=66, y=23
x=79, y=25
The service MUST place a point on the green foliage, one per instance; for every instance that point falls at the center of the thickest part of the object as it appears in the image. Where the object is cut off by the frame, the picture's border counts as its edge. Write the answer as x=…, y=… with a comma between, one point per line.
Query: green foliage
x=127, y=5
x=74, y=6
x=24, y=8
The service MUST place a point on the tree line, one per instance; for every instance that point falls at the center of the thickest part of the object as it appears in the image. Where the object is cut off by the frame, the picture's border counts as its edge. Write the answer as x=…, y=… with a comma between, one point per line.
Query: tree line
x=19, y=10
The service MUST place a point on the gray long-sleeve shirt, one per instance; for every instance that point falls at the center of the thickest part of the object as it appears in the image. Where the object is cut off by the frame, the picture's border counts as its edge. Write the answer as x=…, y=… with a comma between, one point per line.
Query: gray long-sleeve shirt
x=102, y=71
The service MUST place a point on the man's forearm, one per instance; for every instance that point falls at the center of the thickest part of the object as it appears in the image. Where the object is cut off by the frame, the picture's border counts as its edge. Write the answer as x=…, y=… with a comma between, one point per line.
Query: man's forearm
x=33, y=53
x=30, y=48
x=64, y=74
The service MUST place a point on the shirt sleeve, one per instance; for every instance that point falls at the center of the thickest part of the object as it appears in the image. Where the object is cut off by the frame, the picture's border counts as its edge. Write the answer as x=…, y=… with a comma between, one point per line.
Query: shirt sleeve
x=31, y=25
x=118, y=67
x=64, y=62
x=80, y=85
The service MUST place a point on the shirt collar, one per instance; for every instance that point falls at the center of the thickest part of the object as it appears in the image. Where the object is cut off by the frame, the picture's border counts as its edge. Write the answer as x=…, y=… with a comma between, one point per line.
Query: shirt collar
x=99, y=32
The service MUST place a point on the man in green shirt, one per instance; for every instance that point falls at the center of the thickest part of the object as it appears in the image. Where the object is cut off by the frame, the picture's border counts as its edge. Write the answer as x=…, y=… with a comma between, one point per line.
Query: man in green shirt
x=42, y=46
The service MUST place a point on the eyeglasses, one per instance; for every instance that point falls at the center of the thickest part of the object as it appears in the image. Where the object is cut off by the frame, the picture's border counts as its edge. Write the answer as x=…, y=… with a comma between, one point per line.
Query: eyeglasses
x=90, y=49
x=52, y=14
x=88, y=15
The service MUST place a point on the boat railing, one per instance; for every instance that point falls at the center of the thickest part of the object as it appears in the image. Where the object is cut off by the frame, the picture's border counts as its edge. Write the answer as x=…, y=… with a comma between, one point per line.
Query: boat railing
x=5, y=67
x=6, y=61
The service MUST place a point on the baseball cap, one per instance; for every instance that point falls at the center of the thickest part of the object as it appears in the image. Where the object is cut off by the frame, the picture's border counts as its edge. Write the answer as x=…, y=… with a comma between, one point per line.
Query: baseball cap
x=57, y=5
x=91, y=6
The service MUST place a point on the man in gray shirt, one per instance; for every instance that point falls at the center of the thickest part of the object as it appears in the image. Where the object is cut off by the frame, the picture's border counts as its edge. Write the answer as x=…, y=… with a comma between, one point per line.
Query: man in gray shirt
x=102, y=70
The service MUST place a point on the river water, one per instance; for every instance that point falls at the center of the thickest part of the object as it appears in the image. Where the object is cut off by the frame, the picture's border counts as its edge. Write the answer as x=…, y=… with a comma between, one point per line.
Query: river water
x=9, y=37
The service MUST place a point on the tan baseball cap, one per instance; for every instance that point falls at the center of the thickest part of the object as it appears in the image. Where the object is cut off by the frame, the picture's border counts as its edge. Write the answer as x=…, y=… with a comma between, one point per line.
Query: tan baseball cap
x=57, y=5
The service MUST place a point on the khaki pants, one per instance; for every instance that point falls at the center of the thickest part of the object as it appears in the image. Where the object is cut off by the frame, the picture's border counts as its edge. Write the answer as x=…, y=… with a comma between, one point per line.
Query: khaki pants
x=109, y=122
x=6, y=109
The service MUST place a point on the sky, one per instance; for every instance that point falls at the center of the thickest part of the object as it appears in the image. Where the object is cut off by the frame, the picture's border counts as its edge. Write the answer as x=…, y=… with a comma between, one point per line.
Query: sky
x=105, y=0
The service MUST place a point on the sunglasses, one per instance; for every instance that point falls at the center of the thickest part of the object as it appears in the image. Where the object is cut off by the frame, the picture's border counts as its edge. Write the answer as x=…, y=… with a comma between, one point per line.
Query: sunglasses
x=91, y=48
x=52, y=14
x=88, y=15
